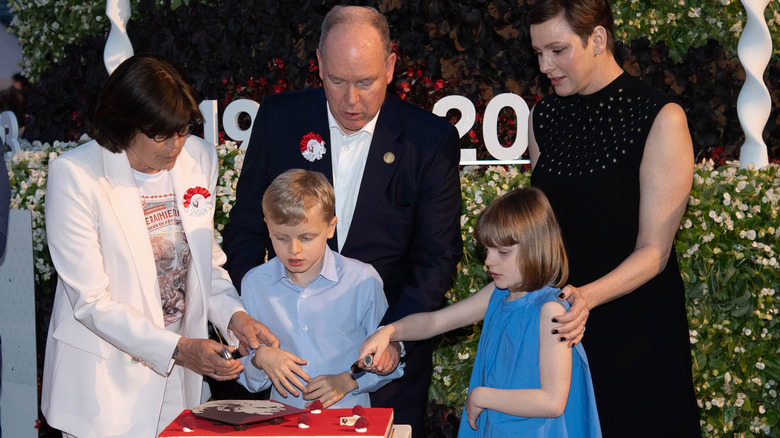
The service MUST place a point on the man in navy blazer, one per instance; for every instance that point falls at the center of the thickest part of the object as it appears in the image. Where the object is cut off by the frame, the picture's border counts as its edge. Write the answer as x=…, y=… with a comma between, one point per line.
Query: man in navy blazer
x=395, y=170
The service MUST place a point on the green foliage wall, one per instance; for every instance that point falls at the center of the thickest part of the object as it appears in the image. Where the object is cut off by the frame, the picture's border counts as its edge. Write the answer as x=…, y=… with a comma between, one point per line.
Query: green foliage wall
x=45, y=27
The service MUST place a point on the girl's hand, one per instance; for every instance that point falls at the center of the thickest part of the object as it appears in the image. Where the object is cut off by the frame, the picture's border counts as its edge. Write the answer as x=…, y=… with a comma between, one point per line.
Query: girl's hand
x=376, y=344
x=472, y=409
x=330, y=388
x=572, y=326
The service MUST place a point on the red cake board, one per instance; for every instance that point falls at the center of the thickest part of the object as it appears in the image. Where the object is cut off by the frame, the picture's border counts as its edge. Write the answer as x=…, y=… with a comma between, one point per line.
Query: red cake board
x=325, y=424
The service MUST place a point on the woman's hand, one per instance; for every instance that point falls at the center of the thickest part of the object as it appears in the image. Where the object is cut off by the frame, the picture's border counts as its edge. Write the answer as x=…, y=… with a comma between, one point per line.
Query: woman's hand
x=572, y=326
x=473, y=410
x=283, y=368
x=250, y=333
x=203, y=356
x=330, y=388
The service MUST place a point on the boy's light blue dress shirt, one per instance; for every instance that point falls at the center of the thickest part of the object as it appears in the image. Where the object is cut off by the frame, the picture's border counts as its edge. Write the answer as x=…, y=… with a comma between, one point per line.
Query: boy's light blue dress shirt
x=323, y=323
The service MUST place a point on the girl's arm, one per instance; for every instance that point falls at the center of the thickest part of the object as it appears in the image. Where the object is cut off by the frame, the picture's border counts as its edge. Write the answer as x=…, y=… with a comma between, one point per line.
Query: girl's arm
x=426, y=325
x=554, y=373
x=665, y=178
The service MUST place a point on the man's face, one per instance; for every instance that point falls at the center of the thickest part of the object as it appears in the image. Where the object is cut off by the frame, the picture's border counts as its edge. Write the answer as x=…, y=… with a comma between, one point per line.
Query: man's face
x=355, y=74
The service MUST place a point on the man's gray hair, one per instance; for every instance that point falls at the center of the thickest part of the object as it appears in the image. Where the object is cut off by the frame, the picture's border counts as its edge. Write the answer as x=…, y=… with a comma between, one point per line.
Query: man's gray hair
x=356, y=15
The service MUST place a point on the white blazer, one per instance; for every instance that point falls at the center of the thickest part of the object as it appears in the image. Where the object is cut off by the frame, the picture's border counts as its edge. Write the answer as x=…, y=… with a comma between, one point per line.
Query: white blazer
x=108, y=352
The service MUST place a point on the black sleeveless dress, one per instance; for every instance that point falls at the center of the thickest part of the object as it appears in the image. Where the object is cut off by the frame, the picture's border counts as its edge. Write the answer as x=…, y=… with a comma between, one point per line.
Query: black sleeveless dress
x=638, y=345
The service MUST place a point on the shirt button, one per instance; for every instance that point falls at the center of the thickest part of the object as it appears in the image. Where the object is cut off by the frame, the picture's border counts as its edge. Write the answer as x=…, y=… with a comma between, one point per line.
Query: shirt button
x=303, y=295
x=306, y=328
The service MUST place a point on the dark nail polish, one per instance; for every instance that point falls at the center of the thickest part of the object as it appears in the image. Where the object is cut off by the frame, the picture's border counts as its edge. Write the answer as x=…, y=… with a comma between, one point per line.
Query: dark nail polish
x=555, y=320
x=561, y=339
x=561, y=295
x=555, y=331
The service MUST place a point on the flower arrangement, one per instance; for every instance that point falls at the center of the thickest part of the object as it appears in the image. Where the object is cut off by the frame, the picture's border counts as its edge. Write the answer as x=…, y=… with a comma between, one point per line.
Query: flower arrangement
x=727, y=246
x=682, y=24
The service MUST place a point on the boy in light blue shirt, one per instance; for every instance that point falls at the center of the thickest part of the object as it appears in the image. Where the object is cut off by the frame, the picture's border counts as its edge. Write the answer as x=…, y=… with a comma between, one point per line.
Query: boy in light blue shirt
x=319, y=304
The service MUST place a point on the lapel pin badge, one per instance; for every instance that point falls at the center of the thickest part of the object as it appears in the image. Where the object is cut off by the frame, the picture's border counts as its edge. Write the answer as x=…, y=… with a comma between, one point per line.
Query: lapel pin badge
x=389, y=157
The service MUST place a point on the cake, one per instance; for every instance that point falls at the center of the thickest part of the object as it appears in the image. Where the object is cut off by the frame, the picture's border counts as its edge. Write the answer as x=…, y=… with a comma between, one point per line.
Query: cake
x=378, y=423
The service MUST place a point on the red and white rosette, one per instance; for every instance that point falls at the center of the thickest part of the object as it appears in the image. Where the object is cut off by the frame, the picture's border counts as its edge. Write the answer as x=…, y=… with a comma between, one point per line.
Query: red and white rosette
x=312, y=146
x=197, y=201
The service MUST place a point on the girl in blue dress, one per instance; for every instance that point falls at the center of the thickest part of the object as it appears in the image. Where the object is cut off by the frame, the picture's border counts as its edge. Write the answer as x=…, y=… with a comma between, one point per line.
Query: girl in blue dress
x=525, y=381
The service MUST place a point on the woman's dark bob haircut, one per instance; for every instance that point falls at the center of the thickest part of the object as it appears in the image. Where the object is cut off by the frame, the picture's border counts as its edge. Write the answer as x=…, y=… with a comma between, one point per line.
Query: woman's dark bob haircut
x=582, y=16
x=143, y=95
x=525, y=218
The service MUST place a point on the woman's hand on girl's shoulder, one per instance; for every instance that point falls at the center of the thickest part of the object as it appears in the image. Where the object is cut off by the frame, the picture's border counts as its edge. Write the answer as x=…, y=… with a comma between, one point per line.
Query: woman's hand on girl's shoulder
x=572, y=326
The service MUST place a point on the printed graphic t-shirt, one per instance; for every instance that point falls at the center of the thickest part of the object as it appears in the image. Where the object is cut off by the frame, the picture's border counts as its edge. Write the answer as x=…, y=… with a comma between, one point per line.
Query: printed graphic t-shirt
x=169, y=243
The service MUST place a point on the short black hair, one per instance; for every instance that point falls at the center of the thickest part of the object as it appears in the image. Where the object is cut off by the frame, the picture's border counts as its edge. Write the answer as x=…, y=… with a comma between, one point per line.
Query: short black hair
x=582, y=16
x=147, y=95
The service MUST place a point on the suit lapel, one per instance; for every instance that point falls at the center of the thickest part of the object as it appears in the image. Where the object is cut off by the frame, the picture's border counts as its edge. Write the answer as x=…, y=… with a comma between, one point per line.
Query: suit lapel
x=126, y=203
x=317, y=119
x=378, y=171
x=185, y=175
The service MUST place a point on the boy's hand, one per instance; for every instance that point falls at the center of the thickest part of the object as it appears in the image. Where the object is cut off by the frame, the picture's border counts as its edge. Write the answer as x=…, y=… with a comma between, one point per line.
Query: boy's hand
x=330, y=388
x=376, y=344
x=282, y=368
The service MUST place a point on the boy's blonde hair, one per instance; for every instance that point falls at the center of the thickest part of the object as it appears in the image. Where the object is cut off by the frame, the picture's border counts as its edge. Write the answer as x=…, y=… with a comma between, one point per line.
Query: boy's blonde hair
x=525, y=217
x=292, y=193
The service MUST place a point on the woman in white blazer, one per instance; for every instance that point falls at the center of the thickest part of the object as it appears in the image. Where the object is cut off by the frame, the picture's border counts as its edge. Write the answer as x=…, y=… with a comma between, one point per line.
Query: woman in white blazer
x=129, y=219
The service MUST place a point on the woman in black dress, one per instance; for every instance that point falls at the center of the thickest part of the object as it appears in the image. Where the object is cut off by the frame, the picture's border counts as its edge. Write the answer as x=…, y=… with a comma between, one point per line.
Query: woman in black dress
x=614, y=156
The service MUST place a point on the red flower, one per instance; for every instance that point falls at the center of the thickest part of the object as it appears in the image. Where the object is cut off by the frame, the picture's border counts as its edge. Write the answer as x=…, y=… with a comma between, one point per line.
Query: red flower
x=312, y=146
x=196, y=201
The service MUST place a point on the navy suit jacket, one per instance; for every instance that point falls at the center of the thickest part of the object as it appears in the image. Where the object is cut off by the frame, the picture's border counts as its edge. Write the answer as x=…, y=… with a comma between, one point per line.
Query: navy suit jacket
x=407, y=217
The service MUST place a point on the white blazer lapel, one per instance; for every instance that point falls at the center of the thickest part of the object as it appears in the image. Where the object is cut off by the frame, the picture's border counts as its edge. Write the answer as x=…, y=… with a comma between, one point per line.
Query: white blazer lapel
x=186, y=175
x=126, y=203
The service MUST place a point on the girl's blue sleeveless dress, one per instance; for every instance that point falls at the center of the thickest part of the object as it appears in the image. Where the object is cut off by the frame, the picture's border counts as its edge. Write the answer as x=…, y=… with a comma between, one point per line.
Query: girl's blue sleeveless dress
x=508, y=358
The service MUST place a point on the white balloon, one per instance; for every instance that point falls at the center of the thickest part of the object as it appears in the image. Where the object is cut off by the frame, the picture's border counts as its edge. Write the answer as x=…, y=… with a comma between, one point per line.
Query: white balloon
x=9, y=123
x=490, y=126
x=118, y=46
x=230, y=120
x=468, y=115
x=209, y=110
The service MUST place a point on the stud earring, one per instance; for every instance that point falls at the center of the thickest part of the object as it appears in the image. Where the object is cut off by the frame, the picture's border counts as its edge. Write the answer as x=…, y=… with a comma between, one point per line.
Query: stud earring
x=597, y=53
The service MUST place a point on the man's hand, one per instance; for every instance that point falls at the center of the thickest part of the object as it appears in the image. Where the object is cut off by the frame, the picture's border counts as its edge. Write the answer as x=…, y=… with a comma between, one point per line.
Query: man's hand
x=283, y=369
x=250, y=333
x=573, y=321
x=330, y=388
x=203, y=357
